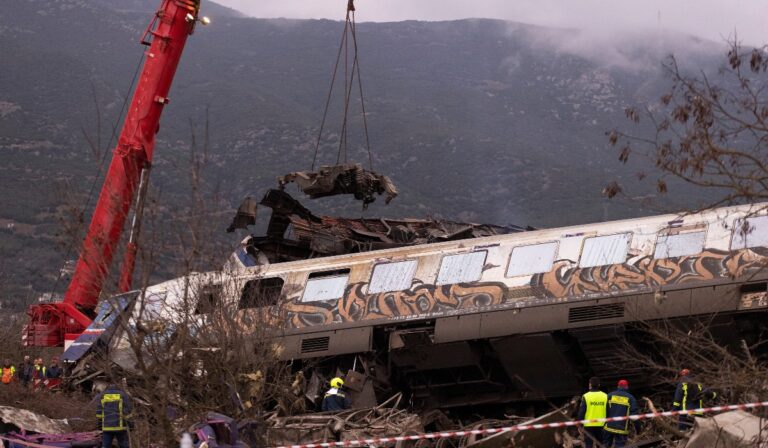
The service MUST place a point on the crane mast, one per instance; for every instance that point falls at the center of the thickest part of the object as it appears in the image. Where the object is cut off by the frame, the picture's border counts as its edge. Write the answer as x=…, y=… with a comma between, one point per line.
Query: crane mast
x=166, y=36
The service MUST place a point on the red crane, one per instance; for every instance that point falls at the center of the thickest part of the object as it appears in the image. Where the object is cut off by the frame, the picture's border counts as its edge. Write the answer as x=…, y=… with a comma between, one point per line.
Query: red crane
x=166, y=36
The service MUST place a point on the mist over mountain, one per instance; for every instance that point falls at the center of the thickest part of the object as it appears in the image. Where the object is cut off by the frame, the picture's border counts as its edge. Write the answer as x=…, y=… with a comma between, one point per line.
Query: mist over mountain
x=476, y=120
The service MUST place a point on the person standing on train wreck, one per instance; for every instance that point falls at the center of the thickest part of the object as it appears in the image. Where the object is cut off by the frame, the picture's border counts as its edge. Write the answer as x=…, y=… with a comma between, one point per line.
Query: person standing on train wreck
x=593, y=405
x=335, y=399
x=621, y=403
x=690, y=394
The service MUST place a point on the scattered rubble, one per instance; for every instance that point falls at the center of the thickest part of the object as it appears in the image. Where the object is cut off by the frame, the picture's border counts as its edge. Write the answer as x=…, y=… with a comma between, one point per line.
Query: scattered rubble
x=735, y=429
x=295, y=233
x=542, y=438
x=381, y=421
x=342, y=179
x=28, y=421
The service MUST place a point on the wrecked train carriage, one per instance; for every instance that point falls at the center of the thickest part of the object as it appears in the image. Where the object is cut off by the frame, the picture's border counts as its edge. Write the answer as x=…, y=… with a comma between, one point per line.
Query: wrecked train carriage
x=516, y=317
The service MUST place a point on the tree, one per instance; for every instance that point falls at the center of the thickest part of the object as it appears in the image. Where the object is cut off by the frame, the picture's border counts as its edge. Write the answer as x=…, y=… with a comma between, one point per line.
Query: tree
x=707, y=133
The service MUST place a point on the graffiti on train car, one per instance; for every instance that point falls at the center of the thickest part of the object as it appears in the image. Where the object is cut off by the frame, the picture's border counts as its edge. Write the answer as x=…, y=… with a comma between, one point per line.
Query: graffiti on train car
x=421, y=299
x=565, y=280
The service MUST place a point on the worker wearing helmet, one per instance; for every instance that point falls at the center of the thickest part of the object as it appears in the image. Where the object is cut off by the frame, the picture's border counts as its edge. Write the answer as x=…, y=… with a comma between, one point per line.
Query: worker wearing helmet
x=690, y=394
x=621, y=403
x=335, y=399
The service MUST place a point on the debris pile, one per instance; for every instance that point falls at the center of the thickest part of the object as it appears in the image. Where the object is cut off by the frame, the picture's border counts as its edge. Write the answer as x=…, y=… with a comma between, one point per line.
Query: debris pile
x=381, y=421
x=735, y=429
x=295, y=233
x=342, y=179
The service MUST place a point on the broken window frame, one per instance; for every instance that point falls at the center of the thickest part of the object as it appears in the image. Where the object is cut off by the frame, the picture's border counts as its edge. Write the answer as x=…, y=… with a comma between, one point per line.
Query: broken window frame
x=327, y=276
x=265, y=295
x=389, y=287
x=664, y=236
x=599, y=259
x=439, y=280
x=215, y=293
x=532, y=271
x=740, y=240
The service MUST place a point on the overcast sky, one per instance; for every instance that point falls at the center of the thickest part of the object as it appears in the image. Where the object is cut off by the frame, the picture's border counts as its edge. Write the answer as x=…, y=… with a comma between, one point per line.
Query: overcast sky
x=711, y=19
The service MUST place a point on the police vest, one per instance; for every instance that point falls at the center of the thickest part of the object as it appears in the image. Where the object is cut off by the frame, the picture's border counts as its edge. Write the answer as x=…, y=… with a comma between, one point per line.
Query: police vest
x=595, y=402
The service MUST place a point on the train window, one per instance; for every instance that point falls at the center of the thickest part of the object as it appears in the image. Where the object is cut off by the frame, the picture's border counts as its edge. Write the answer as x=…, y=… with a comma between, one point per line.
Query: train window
x=679, y=245
x=325, y=285
x=260, y=292
x=603, y=250
x=461, y=268
x=209, y=299
x=395, y=276
x=152, y=305
x=752, y=232
x=532, y=259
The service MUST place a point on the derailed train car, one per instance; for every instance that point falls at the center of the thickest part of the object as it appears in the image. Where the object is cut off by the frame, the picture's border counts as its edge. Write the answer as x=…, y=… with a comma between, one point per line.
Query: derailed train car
x=511, y=318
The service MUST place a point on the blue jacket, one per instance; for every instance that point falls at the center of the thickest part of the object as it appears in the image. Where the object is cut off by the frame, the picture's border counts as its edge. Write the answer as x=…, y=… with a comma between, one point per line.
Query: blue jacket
x=690, y=395
x=620, y=404
x=335, y=400
x=114, y=409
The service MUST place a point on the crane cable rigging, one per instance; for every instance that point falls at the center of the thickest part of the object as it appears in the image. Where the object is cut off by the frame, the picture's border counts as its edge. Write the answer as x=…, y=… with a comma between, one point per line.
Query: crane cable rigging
x=349, y=82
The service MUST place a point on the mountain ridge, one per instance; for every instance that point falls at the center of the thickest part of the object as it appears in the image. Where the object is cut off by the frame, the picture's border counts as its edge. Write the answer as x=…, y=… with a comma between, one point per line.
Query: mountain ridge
x=478, y=120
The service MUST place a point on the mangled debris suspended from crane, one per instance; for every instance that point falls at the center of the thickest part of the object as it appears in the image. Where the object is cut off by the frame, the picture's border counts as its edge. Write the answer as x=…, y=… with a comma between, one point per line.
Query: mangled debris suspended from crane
x=295, y=233
x=342, y=179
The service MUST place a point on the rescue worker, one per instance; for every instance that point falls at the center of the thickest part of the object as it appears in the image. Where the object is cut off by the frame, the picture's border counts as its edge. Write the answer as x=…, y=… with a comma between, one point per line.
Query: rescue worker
x=335, y=399
x=38, y=375
x=592, y=406
x=26, y=371
x=54, y=370
x=53, y=373
x=689, y=395
x=39, y=368
x=114, y=413
x=8, y=372
x=621, y=403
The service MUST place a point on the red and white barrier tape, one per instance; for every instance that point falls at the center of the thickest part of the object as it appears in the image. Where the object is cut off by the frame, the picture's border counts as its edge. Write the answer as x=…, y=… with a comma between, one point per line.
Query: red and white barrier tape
x=455, y=434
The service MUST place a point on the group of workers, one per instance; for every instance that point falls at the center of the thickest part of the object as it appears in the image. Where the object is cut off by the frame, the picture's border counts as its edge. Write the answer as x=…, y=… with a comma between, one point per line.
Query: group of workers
x=596, y=404
x=32, y=374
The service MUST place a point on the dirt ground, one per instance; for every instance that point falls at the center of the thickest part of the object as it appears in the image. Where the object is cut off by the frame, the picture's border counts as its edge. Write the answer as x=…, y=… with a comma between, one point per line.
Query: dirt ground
x=77, y=408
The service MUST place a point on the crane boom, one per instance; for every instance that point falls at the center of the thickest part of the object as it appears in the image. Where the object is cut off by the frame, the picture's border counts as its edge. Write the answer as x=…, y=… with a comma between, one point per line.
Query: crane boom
x=166, y=36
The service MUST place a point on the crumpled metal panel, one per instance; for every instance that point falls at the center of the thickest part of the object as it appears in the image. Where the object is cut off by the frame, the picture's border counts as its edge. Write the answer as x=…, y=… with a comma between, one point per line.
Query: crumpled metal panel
x=735, y=429
x=342, y=179
x=101, y=328
x=295, y=233
x=32, y=422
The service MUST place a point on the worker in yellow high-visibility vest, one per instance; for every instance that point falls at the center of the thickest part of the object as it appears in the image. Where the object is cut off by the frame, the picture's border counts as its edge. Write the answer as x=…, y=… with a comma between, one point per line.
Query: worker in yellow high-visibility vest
x=593, y=407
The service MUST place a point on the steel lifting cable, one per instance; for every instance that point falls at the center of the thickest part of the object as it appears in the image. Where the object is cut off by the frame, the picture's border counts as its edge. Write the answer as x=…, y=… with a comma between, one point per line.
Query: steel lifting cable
x=349, y=77
x=360, y=85
x=330, y=92
x=103, y=158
